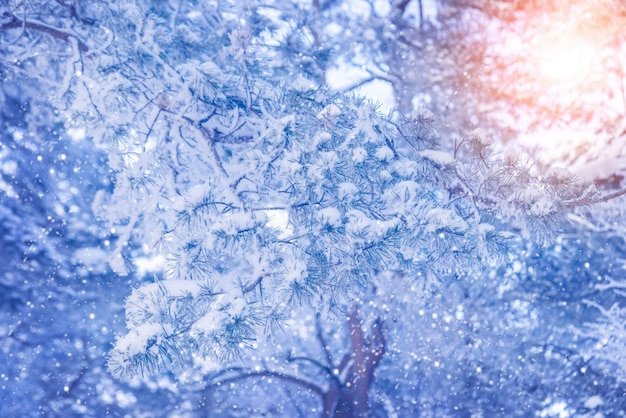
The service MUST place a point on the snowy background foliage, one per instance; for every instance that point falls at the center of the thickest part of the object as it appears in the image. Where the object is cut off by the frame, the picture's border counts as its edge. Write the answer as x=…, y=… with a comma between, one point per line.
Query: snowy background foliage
x=195, y=222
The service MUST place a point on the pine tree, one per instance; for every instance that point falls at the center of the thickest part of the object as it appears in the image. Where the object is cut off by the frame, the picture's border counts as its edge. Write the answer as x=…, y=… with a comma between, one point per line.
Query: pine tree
x=274, y=201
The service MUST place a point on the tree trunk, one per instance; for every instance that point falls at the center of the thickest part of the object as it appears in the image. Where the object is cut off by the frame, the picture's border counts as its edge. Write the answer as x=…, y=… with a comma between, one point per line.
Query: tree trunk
x=350, y=399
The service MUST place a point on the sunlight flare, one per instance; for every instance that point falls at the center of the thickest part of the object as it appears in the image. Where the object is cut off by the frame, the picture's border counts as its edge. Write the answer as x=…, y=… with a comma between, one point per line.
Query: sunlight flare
x=565, y=58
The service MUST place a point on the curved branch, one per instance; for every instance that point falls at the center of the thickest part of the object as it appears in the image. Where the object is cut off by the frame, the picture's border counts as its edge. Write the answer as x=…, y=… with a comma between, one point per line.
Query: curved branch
x=373, y=77
x=319, y=365
x=285, y=377
x=56, y=33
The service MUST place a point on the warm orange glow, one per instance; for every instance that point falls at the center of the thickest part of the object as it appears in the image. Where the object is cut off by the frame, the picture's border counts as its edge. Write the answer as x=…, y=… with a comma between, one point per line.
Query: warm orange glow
x=558, y=68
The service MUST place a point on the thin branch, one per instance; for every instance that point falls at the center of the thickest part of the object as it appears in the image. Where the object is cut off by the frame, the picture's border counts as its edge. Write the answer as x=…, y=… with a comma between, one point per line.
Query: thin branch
x=346, y=362
x=250, y=287
x=612, y=284
x=314, y=362
x=175, y=14
x=421, y=9
x=320, y=337
x=207, y=135
x=56, y=33
x=285, y=377
x=611, y=196
x=457, y=146
x=359, y=84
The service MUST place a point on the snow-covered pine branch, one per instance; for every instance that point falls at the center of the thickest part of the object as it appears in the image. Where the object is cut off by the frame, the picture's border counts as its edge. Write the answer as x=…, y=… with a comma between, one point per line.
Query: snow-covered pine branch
x=355, y=206
x=210, y=125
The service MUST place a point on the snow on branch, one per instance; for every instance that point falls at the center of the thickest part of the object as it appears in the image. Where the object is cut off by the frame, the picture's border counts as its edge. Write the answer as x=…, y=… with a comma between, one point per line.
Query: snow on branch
x=204, y=139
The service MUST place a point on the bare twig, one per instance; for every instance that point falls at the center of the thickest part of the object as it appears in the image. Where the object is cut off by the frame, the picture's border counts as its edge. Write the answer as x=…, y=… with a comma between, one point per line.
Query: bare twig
x=320, y=337
x=56, y=33
x=284, y=377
